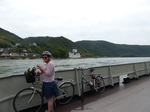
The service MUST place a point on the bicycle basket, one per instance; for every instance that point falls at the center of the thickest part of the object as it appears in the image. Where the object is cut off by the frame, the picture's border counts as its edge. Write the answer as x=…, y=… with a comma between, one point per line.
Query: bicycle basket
x=30, y=75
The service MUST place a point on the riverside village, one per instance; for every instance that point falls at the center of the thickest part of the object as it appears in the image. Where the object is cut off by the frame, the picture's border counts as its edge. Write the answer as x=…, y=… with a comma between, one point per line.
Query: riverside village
x=4, y=52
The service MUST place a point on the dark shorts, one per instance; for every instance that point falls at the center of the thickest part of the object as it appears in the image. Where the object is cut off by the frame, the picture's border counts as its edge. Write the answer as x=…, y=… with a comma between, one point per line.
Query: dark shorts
x=50, y=89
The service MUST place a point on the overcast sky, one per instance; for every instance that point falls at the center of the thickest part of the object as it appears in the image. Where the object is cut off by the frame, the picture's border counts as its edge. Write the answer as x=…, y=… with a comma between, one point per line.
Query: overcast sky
x=116, y=21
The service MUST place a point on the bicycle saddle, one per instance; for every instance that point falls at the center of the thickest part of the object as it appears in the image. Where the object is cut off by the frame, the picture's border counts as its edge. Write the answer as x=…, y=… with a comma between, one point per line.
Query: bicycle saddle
x=91, y=69
x=59, y=78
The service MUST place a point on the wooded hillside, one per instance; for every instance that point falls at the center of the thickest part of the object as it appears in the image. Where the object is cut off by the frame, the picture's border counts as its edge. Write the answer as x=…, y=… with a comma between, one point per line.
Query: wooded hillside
x=60, y=46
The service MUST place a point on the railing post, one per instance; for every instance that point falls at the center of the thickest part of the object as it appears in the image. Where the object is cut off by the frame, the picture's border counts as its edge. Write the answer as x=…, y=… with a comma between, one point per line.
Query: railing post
x=78, y=81
x=111, y=78
x=135, y=71
x=146, y=68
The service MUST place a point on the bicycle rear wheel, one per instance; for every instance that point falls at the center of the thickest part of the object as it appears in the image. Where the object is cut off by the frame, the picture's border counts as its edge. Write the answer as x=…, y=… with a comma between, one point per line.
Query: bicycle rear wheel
x=66, y=91
x=28, y=101
x=100, y=84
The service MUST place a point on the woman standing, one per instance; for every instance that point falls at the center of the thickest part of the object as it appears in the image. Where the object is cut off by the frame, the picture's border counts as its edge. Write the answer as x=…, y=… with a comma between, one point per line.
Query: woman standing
x=49, y=88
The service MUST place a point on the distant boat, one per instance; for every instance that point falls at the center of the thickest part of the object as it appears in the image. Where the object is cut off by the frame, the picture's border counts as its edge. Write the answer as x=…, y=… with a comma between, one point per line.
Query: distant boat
x=74, y=53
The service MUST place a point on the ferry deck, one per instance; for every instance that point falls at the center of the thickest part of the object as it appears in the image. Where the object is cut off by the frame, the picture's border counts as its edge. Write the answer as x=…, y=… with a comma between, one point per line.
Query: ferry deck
x=130, y=97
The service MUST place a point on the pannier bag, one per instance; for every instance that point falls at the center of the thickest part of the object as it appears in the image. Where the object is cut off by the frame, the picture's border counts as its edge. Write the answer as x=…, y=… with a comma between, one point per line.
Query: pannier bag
x=30, y=75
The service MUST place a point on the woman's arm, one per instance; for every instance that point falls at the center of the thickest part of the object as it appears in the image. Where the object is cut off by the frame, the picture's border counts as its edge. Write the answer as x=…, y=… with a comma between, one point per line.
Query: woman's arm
x=41, y=69
x=49, y=69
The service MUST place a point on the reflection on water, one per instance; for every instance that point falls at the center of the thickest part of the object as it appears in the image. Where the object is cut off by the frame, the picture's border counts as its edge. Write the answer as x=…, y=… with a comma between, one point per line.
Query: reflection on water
x=15, y=67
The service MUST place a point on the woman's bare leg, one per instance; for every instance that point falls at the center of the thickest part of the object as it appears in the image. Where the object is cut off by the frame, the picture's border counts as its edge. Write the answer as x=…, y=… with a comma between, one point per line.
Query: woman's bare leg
x=50, y=104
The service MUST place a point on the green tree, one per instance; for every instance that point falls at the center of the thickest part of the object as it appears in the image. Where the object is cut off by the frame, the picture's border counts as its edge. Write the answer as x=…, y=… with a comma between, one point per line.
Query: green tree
x=55, y=54
x=62, y=53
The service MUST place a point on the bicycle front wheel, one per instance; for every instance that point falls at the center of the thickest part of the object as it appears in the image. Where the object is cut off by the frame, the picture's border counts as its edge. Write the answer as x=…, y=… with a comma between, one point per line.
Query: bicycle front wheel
x=100, y=84
x=66, y=91
x=28, y=100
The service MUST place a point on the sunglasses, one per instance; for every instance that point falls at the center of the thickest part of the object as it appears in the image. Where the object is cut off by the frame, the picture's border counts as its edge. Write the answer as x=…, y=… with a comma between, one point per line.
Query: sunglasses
x=44, y=57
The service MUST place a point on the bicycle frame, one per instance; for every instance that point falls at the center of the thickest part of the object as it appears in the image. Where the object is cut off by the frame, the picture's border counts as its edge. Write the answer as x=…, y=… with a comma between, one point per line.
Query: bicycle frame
x=60, y=96
x=94, y=86
x=38, y=85
x=93, y=77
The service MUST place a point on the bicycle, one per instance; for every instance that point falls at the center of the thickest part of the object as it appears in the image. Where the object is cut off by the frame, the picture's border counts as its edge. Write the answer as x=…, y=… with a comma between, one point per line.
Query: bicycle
x=97, y=83
x=32, y=98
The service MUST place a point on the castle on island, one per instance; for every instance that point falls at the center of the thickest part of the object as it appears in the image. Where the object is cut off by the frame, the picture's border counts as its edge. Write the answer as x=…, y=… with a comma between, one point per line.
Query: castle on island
x=74, y=53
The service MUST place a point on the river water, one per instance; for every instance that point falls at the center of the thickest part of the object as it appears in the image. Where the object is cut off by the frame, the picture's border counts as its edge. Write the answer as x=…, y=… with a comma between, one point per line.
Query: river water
x=19, y=66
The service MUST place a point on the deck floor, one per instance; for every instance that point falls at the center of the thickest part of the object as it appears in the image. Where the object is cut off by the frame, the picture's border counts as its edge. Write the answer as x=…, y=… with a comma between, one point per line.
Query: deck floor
x=131, y=97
